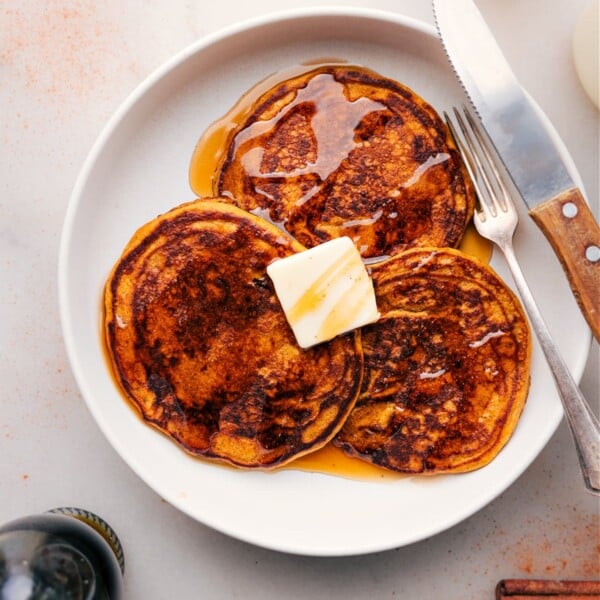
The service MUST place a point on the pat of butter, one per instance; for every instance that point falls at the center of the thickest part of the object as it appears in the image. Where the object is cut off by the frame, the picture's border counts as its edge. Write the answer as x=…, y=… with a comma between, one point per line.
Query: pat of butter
x=324, y=291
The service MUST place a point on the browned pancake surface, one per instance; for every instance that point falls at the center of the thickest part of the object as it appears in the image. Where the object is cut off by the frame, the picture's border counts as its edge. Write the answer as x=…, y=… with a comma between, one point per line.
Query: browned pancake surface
x=342, y=151
x=201, y=347
x=446, y=367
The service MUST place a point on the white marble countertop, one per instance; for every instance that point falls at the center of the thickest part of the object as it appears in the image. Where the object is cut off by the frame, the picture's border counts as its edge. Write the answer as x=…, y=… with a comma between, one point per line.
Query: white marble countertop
x=65, y=66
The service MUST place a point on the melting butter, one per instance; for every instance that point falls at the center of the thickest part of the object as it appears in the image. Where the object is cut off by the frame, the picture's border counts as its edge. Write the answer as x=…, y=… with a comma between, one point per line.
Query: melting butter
x=324, y=291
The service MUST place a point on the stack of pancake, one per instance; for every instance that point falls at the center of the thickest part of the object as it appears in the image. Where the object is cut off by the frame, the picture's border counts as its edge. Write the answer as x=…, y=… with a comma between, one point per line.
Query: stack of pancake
x=200, y=345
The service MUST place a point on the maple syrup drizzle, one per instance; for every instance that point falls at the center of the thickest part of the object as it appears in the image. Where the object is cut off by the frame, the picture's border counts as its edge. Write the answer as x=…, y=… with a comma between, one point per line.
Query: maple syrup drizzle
x=212, y=144
x=334, y=143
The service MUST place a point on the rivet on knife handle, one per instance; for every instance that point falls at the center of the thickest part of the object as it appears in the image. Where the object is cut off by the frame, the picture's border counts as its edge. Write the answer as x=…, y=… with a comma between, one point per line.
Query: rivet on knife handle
x=570, y=227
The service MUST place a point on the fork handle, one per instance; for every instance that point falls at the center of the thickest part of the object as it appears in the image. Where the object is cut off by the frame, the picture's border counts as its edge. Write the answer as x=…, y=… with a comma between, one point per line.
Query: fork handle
x=571, y=229
x=584, y=426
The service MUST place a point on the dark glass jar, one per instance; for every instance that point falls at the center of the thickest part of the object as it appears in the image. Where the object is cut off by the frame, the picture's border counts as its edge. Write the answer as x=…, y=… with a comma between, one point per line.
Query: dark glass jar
x=64, y=554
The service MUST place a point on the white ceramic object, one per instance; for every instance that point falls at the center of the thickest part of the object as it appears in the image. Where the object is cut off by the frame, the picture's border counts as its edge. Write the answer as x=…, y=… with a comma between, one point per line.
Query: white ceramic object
x=138, y=169
x=586, y=51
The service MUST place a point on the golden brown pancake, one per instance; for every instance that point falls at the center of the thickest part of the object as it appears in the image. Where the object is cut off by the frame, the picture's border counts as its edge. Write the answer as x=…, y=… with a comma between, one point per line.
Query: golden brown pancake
x=344, y=151
x=446, y=367
x=200, y=345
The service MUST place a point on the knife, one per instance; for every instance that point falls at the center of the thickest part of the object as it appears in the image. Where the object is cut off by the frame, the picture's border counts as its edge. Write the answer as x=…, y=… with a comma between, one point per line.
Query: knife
x=525, y=147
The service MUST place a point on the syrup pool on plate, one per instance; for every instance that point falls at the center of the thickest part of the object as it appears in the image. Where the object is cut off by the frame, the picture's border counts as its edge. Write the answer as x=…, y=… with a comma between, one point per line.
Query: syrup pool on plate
x=332, y=460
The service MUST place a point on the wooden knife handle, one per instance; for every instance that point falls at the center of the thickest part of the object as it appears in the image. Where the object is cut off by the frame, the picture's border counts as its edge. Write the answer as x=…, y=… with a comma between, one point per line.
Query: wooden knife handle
x=570, y=227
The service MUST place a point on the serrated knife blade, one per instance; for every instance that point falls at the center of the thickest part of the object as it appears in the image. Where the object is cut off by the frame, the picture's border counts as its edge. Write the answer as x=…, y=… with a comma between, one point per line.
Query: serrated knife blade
x=525, y=147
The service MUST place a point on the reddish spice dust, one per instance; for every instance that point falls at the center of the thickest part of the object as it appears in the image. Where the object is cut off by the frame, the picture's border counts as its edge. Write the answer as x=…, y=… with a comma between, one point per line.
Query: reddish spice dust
x=560, y=549
x=60, y=49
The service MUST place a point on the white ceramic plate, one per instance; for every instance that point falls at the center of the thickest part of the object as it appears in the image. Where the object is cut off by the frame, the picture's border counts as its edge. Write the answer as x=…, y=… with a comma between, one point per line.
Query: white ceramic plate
x=138, y=169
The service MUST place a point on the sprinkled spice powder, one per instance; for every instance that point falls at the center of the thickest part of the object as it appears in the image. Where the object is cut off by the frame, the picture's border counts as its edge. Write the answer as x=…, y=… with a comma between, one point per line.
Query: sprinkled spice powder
x=60, y=49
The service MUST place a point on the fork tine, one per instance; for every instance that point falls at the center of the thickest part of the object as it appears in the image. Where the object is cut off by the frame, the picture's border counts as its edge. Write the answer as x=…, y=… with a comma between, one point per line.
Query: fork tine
x=475, y=148
x=466, y=155
x=470, y=159
x=484, y=141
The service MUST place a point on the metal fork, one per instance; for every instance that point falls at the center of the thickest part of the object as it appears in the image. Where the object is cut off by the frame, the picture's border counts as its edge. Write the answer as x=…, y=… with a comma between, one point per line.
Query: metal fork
x=496, y=219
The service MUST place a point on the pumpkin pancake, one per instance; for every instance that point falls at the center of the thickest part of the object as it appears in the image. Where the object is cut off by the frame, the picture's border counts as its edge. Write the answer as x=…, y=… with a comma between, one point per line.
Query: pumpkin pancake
x=343, y=151
x=200, y=345
x=446, y=367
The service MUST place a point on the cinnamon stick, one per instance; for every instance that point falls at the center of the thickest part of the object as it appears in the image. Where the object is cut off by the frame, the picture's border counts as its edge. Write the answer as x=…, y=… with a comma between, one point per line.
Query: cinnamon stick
x=522, y=589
